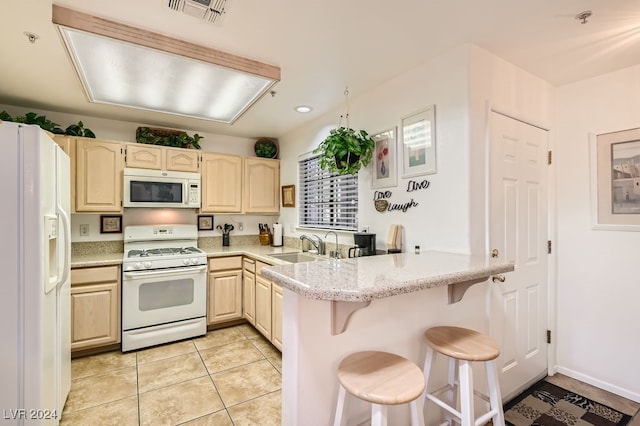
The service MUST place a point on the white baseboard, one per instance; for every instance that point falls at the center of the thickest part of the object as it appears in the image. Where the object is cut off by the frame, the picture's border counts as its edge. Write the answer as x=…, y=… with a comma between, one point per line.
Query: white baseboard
x=625, y=393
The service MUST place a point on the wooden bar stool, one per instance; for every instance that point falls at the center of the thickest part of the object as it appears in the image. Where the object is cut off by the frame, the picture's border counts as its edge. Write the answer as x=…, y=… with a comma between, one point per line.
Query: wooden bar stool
x=382, y=379
x=464, y=346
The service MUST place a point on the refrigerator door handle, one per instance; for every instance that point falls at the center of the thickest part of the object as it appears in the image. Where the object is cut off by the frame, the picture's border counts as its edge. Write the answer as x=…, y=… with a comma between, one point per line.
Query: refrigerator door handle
x=66, y=225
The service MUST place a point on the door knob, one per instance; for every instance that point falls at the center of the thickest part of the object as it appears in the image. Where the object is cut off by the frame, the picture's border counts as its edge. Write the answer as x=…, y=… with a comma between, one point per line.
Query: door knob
x=495, y=253
x=498, y=278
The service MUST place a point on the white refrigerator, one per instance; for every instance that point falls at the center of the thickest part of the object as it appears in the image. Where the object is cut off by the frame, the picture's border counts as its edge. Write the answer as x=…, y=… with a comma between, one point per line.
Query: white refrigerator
x=35, y=292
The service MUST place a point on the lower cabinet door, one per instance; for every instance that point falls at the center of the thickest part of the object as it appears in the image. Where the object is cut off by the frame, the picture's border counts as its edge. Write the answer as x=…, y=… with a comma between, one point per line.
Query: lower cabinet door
x=94, y=315
x=263, y=306
x=276, y=316
x=249, y=297
x=225, y=296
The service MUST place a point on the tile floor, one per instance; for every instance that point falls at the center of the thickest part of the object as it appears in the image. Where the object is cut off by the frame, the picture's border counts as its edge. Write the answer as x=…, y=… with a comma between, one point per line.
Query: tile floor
x=230, y=377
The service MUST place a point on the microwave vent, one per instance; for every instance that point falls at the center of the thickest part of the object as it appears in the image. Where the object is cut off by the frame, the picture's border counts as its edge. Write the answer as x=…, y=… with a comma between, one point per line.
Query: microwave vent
x=208, y=10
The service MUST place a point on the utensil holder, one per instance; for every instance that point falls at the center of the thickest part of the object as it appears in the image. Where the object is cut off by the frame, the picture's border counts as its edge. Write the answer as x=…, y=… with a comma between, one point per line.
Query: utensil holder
x=225, y=240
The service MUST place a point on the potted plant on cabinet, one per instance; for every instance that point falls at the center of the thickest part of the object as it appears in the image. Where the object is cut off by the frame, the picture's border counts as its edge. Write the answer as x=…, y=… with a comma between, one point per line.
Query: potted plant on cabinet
x=167, y=137
x=345, y=151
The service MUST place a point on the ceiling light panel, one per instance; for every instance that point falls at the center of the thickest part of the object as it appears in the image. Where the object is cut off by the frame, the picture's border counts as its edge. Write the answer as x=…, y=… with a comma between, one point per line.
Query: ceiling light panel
x=115, y=71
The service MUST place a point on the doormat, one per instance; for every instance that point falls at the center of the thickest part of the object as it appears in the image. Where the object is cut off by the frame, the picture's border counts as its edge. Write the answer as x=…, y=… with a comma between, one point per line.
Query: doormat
x=545, y=404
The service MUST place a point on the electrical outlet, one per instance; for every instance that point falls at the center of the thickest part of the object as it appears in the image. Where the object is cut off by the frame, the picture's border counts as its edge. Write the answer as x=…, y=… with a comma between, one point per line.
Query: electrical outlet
x=84, y=230
x=240, y=226
x=292, y=227
x=365, y=228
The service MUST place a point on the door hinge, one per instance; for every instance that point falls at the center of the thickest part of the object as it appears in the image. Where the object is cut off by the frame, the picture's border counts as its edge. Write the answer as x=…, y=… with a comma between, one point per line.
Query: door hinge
x=549, y=247
x=549, y=157
x=548, y=336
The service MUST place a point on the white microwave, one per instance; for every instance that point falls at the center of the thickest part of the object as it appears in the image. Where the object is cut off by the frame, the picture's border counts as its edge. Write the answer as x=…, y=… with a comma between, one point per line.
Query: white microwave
x=160, y=188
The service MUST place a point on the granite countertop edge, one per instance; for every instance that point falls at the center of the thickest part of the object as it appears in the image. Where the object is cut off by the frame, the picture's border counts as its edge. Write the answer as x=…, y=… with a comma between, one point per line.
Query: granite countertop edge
x=350, y=294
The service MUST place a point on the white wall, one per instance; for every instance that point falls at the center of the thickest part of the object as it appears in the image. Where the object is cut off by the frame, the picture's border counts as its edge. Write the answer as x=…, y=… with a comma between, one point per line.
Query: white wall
x=125, y=132
x=441, y=221
x=598, y=287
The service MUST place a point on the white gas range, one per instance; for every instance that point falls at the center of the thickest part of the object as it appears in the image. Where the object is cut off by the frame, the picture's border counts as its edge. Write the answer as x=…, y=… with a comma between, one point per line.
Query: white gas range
x=164, y=285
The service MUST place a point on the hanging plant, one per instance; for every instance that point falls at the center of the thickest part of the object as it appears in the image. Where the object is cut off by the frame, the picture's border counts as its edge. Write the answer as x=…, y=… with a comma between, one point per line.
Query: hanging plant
x=345, y=150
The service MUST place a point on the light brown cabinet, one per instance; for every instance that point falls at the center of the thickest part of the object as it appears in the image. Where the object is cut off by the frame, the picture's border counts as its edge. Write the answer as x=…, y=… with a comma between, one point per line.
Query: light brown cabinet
x=268, y=307
x=182, y=160
x=249, y=290
x=225, y=289
x=95, y=307
x=143, y=156
x=221, y=183
x=99, y=166
x=276, y=315
x=263, y=306
x=261, y=185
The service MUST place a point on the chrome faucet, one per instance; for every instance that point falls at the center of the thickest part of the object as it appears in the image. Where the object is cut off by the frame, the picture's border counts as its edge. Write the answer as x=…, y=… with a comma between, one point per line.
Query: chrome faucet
x=319, y=245
x=335, y=253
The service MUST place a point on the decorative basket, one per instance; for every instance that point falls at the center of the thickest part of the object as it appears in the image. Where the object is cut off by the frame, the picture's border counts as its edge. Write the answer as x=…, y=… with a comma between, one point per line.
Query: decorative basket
x=158, y=131
x=266, y=148
x=265, y=238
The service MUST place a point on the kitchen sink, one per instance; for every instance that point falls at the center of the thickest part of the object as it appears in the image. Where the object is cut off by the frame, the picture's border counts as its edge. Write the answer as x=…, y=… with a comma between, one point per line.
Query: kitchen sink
x=295, y=257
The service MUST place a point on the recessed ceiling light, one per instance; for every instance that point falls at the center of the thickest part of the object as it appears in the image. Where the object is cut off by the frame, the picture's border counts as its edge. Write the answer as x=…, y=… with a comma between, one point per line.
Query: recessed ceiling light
x=303, y=109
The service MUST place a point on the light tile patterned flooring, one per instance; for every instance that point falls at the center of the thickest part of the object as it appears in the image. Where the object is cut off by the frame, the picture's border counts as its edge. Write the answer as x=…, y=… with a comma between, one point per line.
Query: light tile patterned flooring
x=229, y=377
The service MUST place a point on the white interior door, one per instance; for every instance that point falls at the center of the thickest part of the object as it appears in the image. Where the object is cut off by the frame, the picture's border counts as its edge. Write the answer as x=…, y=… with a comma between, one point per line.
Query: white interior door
x=518, y=231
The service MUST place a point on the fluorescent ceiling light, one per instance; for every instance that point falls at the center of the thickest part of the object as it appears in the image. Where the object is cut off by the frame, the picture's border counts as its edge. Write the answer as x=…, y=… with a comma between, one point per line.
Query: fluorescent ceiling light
x=126, y=66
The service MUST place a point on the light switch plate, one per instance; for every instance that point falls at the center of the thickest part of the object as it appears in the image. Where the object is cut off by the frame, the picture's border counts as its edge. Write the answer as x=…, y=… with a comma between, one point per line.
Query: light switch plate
x=84, y=230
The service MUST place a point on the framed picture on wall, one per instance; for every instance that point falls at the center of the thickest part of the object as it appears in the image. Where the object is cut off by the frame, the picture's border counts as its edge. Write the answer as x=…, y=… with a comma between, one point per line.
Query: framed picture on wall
x=615, y=180
x=205, y=223
x=288, y=196
x=110, y=224
x=384, y=172
x=419, y=143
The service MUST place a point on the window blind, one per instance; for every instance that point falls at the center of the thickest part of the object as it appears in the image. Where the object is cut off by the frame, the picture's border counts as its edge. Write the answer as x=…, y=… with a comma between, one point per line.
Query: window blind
x=327, y=200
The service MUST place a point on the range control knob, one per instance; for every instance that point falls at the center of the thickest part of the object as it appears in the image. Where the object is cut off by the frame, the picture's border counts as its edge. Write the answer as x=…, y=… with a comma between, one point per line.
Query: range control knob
x=185, y=261
x=194, y=261
x=147, y=265
x=138, y=265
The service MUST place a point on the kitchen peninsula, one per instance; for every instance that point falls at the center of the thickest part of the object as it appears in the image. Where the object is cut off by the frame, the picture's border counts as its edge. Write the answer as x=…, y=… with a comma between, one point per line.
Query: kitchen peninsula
x=336, y=307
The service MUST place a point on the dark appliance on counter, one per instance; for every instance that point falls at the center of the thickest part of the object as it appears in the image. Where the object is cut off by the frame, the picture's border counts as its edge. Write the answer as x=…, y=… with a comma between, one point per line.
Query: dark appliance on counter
x=365, y=245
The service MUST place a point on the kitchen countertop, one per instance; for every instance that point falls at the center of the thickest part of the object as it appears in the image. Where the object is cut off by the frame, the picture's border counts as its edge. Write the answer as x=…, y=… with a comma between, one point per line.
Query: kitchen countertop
x=257, y=251
x=366, y=278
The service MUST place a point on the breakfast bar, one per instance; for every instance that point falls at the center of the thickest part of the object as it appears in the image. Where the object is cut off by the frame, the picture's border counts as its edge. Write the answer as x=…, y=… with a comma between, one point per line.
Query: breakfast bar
x=334, y=307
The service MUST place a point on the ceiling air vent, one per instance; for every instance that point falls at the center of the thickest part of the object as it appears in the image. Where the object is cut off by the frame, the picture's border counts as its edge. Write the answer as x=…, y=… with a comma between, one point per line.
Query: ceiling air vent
x=207, y=10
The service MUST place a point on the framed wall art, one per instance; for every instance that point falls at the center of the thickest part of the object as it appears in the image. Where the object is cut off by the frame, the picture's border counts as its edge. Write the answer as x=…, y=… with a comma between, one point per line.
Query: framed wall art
x=205, y=223
x=110, y=224
x=615, y=180
x=288, y=196
x=384, y=161
x=419, y=143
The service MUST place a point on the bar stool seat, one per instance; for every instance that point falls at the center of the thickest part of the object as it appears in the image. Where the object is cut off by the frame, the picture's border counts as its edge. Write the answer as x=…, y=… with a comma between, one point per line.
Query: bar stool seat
x=464, y=346
x=382, y=379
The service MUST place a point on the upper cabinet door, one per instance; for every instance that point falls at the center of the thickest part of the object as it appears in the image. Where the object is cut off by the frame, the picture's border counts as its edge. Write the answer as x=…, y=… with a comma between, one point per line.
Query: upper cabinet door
x=261, y=185
x=99, y=166
x=221, y=183
x=182, y=160
x=142, y=156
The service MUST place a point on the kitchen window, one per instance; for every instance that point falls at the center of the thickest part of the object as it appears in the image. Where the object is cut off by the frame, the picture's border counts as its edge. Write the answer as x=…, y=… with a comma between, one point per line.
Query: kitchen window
x=327, y=200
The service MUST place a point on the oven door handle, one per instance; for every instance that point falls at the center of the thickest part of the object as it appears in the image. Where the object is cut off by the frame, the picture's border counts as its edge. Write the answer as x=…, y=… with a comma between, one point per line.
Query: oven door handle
x=175, y=271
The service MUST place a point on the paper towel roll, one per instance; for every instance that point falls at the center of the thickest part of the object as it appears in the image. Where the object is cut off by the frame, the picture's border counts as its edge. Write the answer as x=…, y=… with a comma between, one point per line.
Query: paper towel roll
x=277, y=235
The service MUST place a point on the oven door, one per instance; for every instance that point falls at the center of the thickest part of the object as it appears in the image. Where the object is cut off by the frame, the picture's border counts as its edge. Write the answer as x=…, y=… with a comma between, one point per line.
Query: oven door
x=163, y=296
